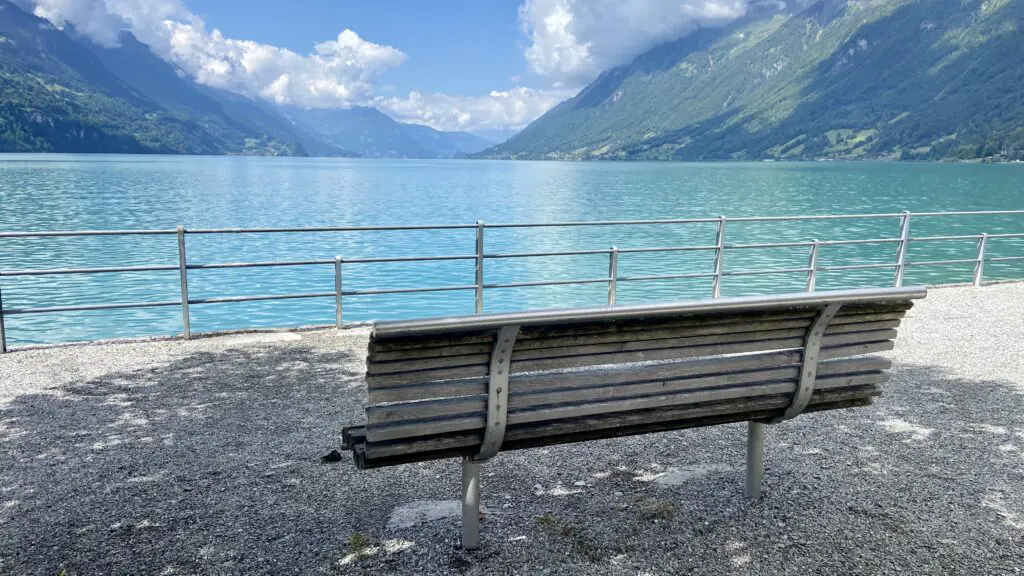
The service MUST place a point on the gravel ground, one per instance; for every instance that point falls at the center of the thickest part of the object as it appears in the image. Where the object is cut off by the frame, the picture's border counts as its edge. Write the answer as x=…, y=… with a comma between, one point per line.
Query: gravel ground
x=203, y=457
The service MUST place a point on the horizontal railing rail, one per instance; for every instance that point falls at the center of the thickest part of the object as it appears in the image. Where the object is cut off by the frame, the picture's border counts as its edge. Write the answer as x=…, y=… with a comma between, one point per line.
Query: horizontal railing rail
x=480, y=256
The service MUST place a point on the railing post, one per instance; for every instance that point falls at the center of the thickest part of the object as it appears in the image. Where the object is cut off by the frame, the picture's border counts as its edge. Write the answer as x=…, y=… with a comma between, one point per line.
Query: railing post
x=613, y=274
x=755, y=459
x=183, y=269
x=337, y=291
x=716, y=288
x=901, y=252
x=479, y=305
x=979, y=267
x=812, y=267
x=3, y=330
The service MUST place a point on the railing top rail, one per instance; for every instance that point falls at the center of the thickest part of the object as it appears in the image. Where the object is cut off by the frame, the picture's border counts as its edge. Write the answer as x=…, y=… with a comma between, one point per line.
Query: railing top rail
x=601, y=223
x=488, y=321
x=970, y=213
x=55, y=233
x=300, y=229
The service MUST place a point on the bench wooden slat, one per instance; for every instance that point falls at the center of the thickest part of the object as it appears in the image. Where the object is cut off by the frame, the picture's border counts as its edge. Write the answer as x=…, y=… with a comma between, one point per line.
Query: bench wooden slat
x=636, y=328
x=519, y=355
x=364, y=463
x=534, y=338
x=378, y=433
x=389, y=362
x=597, y=376
x=581, y=356
x=582, y=386
x=712, y=330
x=674, y=417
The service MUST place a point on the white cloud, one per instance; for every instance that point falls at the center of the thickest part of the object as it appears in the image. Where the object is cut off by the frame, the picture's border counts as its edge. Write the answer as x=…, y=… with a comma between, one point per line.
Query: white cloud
x=91, y=18
x=572, y=41
x=339, y=72
x=513, y=108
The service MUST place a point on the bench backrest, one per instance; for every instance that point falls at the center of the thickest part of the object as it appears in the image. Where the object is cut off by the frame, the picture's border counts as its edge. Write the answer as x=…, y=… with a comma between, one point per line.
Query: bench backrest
x=433, y=381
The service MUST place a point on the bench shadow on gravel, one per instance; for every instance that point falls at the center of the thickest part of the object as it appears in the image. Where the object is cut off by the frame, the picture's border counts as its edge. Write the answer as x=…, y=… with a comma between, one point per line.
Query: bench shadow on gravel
x=211, y=464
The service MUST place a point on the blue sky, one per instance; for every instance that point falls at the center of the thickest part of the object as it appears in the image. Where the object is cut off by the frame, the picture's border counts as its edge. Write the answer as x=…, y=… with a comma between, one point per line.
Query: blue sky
x=453, y=46
x=471, y=65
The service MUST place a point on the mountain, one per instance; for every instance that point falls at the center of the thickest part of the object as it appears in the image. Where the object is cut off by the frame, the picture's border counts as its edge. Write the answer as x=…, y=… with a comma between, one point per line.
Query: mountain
x=361, y=129
x=230, y=118
x=496, y=135
x=265, y=118
x=60, y=92
x=841, y=79
x=55, y=96
x=374, y=134
x=446, y=144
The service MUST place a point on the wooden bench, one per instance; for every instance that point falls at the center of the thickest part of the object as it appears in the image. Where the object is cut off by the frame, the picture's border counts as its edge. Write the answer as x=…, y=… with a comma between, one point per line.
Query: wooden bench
x=472, y=386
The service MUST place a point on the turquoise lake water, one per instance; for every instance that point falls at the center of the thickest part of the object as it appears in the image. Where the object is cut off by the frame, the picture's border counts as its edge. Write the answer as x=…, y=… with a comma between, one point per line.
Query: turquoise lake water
x=60, y=192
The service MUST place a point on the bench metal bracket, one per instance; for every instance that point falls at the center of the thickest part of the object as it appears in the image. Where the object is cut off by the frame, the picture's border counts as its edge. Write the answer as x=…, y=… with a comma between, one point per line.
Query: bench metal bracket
x=809, y=368
x=802, y=396
x=497, y=392
x=494, y=434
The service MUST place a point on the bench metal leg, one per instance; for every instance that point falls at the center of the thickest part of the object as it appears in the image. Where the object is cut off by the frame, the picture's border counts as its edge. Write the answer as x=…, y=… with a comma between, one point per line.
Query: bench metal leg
x=755, y=458
x=470, y=504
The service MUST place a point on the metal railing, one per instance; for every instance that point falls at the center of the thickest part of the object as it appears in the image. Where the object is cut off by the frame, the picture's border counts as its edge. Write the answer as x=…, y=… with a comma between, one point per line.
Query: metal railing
x=480, y=256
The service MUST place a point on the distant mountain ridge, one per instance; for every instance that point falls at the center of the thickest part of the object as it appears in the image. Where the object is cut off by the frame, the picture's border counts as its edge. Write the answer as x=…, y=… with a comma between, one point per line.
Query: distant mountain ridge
x=61, y=92
x=841, y=79
x=374, y=134
x=446, y=144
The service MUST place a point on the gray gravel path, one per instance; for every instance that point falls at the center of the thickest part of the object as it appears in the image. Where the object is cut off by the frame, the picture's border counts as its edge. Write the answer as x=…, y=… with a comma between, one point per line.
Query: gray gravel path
x=203, y=457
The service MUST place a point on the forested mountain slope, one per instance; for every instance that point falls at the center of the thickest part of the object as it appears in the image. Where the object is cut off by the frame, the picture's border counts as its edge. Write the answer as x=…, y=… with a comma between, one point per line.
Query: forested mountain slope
x=843, y=79
x=60, y=92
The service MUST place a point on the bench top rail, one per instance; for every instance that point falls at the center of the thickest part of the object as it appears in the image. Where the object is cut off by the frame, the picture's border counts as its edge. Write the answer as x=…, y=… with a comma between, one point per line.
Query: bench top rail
x=404, y=328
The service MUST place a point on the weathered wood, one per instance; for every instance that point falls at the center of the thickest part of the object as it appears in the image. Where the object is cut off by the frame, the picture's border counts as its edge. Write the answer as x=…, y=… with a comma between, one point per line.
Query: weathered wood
x=602, y=376
x=587, y=377
x=380, y=344
x=347, y=434
x=520, y=355
x=851, y=323
x=386, y=351
x=592, y=356
x=612, y=331
x=583, y=380
x=406, y=429
x=359, y=451
x=740, y=330
x=620, y=382
x=682, y=342
x=756, y=408
x=751, y=334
